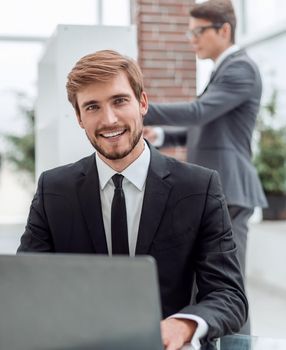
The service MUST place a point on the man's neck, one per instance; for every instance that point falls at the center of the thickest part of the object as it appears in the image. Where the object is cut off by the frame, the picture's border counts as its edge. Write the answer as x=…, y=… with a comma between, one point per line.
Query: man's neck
x=220, y=59
x=221, y=51
x=120, y=164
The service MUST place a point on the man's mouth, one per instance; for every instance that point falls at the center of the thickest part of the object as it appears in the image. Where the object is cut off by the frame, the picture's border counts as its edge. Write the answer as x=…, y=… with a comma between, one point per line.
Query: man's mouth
x=111, y=134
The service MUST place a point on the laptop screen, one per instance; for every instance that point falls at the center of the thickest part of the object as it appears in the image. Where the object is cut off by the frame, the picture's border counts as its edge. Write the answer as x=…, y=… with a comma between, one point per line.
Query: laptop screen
x=57, y=301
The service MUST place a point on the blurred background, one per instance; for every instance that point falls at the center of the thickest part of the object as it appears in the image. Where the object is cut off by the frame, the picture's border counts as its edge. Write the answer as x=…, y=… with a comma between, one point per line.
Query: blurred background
x=40, y=41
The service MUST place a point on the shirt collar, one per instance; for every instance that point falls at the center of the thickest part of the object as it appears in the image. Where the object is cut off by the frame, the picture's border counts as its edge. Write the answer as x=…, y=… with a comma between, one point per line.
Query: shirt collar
x=136, y=172
x=229, y=51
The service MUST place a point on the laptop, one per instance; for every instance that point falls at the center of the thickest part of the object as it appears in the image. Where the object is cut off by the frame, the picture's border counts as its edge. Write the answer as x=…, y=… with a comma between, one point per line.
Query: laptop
x=79, y=302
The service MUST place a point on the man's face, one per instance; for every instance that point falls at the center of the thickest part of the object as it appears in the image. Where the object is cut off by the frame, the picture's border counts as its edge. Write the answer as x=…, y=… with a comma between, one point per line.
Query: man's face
x=209, y=42
x=112, y=118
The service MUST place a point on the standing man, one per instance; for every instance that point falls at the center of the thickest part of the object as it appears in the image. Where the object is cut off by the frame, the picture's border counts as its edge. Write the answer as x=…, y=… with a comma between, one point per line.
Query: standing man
x=221, y=121
x=175, y=212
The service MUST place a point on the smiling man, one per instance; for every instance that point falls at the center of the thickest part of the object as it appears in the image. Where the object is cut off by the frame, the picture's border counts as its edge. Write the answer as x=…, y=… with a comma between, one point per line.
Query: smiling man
x=127, y=198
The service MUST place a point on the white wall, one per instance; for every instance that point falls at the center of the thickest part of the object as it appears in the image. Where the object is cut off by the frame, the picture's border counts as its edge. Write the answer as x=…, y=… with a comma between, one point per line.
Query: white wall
x=59, y=139
x=268, y=49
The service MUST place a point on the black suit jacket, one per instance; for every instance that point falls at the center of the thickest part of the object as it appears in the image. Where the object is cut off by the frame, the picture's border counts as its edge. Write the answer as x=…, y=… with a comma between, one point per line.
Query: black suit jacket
x=184, y=225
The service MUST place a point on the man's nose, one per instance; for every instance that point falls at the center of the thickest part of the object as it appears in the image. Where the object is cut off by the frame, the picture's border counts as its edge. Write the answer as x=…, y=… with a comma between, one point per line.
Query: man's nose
x=109, y=115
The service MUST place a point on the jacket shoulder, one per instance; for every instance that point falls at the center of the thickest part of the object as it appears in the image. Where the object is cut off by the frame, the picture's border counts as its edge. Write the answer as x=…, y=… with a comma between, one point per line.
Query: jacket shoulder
x=69, y=172
x=191, y=176
x=242, y=61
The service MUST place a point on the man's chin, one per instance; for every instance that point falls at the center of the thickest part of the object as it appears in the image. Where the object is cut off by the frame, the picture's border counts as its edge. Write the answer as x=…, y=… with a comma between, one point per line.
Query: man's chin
x=113, y=155
x=201, y=56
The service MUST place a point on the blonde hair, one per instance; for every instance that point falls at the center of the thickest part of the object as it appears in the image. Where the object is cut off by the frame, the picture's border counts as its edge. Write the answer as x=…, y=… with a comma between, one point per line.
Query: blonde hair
x=101, y=66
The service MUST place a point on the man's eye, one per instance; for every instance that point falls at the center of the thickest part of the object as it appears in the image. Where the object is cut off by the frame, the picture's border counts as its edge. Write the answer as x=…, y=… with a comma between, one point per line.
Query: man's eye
x=120, y=100
x=92, y=108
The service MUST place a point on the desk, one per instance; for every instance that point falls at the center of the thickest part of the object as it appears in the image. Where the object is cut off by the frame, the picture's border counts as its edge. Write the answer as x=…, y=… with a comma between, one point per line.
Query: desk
x=243, y=342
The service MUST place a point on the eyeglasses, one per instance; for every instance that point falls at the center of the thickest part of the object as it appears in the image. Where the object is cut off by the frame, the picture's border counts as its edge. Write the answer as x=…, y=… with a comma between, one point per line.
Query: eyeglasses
x=197, y=32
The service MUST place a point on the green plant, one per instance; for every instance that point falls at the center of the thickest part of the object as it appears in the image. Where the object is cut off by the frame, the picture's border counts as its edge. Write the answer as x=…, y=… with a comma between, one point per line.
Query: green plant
x=21, y=148
x=270, y=159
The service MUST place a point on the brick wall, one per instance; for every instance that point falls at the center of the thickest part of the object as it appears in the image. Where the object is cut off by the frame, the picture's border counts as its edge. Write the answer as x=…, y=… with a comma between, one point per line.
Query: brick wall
x=165, y=55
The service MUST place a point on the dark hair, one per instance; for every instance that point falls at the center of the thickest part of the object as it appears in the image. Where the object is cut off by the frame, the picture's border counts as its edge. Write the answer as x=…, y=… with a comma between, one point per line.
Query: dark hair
x=216, y=11
x=101, y=66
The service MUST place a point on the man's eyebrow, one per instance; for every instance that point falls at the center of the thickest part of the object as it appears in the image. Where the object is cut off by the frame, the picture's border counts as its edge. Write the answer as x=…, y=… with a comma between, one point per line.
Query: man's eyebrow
x=88, y=103
x=119, y=96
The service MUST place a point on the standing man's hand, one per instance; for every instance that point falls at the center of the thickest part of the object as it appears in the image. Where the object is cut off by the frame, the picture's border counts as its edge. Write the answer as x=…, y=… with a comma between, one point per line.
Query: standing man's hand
x=176, y=332
x=150, y=134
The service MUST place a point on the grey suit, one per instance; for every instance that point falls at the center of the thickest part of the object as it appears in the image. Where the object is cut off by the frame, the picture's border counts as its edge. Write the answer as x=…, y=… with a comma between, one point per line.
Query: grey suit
x=219, y=126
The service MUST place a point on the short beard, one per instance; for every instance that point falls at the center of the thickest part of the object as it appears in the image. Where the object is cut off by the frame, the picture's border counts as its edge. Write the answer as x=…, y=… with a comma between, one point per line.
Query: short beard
x=117, y=155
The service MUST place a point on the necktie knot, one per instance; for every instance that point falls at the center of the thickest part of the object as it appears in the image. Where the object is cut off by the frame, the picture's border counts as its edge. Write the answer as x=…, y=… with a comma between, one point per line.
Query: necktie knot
x=117, y=180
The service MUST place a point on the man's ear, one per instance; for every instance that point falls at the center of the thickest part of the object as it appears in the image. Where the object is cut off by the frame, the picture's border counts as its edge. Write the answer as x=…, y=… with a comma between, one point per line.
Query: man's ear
x=226, y=31
x=79, y=120
x=143, y=103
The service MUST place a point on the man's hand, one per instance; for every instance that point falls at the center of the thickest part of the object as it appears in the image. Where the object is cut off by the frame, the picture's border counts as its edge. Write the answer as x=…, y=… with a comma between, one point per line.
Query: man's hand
x=176, y=332
x=149, y=134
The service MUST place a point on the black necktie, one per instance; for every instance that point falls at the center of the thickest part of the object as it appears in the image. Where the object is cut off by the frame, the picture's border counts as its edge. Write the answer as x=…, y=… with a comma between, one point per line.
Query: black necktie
x=119, y=232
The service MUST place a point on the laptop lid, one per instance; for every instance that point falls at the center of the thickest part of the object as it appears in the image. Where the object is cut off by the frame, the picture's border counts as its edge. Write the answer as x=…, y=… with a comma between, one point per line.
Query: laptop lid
x=57, y=301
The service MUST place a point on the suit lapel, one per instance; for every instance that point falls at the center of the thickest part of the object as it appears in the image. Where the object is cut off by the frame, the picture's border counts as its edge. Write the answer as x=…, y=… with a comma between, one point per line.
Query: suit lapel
x=89, y=199
x=220, y=67
x=155, y=199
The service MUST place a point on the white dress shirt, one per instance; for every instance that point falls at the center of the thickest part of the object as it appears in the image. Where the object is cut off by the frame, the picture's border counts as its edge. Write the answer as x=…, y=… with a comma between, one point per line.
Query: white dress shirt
x=134, y=187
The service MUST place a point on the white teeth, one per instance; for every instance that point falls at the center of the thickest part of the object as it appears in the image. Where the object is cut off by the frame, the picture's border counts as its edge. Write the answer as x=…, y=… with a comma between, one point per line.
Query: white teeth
x=113, y=134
